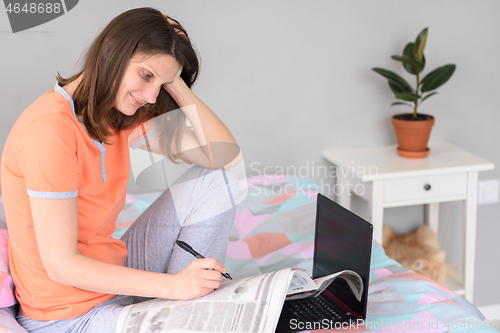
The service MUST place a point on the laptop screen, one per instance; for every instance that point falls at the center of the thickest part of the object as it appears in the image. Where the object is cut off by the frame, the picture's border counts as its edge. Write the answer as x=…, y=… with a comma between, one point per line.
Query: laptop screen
x=343, y=241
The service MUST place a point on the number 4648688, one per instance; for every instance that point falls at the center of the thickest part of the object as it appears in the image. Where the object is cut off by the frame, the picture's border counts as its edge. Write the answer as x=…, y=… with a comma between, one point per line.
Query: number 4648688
x=34, y=8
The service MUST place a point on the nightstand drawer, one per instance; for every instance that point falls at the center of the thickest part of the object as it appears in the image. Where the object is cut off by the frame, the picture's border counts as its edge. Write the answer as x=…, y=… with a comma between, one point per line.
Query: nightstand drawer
x=425, y=187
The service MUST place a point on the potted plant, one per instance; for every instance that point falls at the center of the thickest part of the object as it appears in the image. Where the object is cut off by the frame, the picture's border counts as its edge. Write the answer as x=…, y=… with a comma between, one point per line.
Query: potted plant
x=413, y=129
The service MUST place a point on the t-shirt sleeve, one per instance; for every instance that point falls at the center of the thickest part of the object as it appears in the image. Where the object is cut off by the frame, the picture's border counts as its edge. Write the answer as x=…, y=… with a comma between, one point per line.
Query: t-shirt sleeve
x=142, y=133
x=47, y=157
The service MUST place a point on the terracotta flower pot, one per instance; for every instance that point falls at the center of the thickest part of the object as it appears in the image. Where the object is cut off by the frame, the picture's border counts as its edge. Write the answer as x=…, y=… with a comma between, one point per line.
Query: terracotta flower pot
x=413, y=135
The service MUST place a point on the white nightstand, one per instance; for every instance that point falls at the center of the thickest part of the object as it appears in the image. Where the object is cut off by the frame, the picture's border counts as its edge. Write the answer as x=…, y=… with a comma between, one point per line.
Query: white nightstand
x=384, y=179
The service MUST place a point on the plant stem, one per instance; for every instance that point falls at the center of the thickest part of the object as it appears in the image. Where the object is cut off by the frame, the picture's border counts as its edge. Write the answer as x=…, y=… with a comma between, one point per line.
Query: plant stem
x=415, y=114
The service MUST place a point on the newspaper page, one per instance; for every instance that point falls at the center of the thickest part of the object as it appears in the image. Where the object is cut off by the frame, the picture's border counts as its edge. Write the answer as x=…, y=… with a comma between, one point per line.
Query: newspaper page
x=250, y=304
x=301, y=282
x=352, y=278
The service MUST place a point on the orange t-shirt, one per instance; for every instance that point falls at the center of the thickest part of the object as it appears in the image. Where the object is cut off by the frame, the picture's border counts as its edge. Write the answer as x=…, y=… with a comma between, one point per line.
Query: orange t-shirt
x=48, y=155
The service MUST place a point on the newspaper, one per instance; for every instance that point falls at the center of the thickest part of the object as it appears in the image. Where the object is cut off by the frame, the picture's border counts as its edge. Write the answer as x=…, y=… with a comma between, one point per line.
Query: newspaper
x=318, y=285
x=251, y=304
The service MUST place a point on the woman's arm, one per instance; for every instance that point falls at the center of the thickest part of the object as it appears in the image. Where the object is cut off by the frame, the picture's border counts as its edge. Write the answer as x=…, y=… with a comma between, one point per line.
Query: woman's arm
x=57, y=237
x=228, y=157
x=209, y=132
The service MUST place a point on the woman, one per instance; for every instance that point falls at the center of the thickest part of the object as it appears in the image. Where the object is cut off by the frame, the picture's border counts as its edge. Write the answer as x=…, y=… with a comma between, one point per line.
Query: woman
x=65, y=168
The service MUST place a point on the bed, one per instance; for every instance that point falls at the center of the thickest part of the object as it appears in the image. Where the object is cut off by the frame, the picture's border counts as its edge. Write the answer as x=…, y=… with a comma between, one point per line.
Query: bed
x=274, y=229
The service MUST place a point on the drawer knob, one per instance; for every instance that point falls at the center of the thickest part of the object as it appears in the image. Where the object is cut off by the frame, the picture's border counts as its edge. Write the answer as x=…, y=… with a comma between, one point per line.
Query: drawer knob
x=427, y=187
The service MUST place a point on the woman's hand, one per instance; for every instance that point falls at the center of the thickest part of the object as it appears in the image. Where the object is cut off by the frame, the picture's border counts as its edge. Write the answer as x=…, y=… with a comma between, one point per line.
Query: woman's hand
x=200, y=278
x=178, y=85
x=207, y=127
x=177, y=27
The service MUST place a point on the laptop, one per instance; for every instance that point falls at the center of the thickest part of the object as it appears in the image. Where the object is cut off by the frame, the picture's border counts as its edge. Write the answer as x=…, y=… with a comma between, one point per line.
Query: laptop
x=342, y=241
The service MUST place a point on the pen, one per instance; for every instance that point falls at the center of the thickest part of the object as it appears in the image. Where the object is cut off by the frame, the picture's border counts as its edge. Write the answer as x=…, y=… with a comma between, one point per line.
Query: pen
x=186, y=247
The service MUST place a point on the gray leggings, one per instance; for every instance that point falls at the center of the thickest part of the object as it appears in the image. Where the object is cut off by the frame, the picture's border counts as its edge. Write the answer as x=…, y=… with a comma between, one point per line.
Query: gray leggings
x=199, y=208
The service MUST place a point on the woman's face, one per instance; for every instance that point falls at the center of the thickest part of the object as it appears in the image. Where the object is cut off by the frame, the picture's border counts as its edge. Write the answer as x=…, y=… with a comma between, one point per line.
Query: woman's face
x=143, y=78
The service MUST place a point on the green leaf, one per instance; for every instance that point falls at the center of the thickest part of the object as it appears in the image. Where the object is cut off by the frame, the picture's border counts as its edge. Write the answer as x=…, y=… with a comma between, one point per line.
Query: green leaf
x=394, y=78
x=408, y=97
x=429, y=95
x=399, y=89
x=408, y=51
x=437, y=77
x=418, y=49
x=415, y=64
x=401, y=103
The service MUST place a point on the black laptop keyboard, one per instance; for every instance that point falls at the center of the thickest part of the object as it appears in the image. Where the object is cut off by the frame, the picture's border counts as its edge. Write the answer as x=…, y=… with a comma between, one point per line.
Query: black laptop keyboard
x=312, y=309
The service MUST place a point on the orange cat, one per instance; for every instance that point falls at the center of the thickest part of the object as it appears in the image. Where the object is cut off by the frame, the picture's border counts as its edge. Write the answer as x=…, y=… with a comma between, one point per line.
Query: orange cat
x=418, y=251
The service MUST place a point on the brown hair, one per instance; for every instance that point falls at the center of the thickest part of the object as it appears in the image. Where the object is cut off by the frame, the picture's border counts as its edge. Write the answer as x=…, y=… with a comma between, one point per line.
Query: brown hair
x=144, y=30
